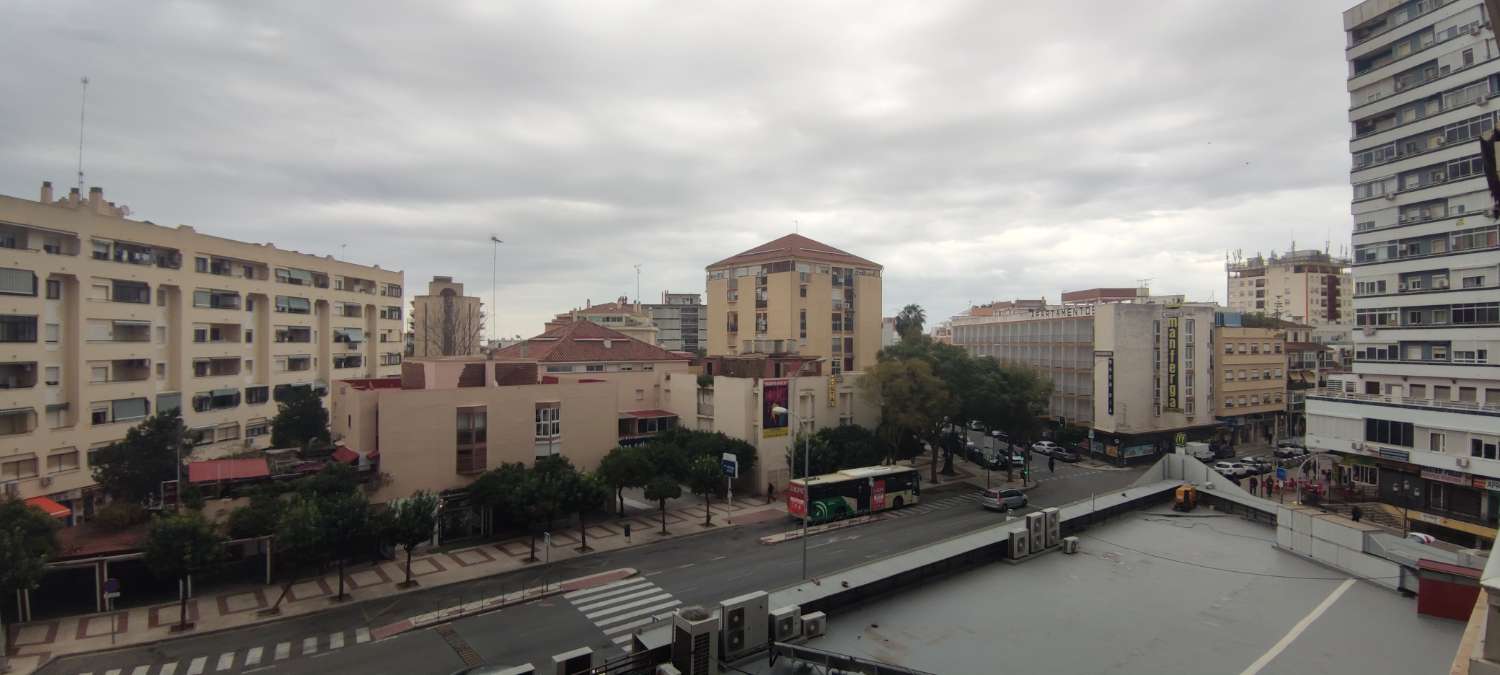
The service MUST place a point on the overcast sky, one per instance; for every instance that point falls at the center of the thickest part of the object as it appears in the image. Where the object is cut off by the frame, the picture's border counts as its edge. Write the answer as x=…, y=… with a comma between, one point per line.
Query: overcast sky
x=979, y=150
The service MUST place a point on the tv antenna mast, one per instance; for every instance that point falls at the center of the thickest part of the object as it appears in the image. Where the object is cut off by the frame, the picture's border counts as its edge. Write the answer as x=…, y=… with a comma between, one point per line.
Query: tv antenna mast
x=83, y=102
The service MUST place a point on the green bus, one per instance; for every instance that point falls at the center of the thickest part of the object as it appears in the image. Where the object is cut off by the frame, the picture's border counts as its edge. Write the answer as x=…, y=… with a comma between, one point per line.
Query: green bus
x=853, y=492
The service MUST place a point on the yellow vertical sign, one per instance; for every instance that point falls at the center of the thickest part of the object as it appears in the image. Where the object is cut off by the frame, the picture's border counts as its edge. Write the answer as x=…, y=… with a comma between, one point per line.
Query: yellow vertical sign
x=1172, y=403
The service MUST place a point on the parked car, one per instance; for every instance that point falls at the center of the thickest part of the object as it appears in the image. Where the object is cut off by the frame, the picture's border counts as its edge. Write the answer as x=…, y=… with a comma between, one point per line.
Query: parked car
x=1259, y=464
x=1065, y=455
x=975, y=425
x=1290, y=451
x=1045, y=447
x=1017, y=458
x=1231, y=469
x=997, y=499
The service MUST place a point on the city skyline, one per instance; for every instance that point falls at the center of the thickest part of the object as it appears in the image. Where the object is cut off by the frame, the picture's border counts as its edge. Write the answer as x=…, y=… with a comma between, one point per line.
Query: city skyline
x=972, y=183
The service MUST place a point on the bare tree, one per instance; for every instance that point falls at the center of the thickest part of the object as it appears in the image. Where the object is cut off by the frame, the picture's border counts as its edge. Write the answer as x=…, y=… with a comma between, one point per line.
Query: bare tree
x=448, y=327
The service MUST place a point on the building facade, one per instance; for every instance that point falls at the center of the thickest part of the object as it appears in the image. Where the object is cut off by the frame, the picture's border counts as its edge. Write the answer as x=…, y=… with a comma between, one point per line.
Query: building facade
x=1416, y=424
x=796, y=295
x=445, y=322
x=106, y=320
x=622, y=315
x=1307, y=286
x=1252, y=371
x=681, y=322
x=1057, y=341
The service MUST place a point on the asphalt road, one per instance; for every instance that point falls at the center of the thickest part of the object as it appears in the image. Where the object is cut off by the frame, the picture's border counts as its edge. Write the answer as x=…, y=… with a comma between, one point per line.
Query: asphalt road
x=700, y=569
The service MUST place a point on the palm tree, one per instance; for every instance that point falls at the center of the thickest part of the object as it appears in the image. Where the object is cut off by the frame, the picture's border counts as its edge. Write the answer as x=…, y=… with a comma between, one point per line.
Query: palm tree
x=910, y=322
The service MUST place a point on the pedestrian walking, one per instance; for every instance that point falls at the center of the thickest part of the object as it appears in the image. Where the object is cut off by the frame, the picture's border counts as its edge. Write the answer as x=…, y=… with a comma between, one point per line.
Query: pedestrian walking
x=1253, y=484
x=1051, y=464
x=627, y=532
x=1356, y=513
x=770, y=492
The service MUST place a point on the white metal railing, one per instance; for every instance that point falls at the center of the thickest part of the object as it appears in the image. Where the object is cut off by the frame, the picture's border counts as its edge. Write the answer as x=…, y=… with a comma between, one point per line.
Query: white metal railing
x=1463, y=406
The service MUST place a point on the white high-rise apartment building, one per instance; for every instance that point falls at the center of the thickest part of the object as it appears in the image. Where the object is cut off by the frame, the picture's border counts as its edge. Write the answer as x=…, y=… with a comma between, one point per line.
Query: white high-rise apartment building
x=106, y=320
x=1420, y=423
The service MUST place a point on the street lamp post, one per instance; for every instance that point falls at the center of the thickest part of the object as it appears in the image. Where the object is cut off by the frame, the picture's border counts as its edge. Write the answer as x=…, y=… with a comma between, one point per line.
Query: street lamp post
x=495, y=243
x=806, y=464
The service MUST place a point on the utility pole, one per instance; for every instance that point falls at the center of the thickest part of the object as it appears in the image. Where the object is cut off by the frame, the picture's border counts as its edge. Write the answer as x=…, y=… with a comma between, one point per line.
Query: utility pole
x=83, y=102
x=637, y=284
x=494, y=274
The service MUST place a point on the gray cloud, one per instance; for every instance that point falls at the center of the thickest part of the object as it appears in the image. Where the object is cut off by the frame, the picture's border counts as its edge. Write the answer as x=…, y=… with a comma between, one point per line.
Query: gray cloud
x=979, y=150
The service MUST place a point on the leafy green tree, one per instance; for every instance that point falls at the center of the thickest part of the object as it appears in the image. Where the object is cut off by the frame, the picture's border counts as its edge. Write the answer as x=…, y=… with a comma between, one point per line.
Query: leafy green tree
x=554, y=476
x=666, y=459
x=260, y=516
x=704, y=476
x=179, y=546
x=912, y=400
x=910, y=321
x=623, y=468
x=301, y=420
x=495, y=490
x=333, y=479
x=27, y=541
x=659, y=490
x=412, y=523
x=191, y=497
x=585, y=493
x=119, y=516
x=345, y=525
x=133, y=469
x=834, y=448
x=299, y=540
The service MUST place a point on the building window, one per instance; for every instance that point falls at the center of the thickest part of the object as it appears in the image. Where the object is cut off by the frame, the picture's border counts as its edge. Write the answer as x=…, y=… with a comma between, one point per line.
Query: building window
x=18, y=468
x=1481, y=448
x=1389, y=432
x=472, y=441
x=804, y=324
x=254, y=395
x=54, y=289
x=548, y=421
x=62, y=461
x=1364, y=475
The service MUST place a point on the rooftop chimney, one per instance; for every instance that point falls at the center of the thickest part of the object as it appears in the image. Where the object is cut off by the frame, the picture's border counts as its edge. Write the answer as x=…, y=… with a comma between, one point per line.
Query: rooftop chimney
x=46, y=192
x=73, y=197
x=96, y=199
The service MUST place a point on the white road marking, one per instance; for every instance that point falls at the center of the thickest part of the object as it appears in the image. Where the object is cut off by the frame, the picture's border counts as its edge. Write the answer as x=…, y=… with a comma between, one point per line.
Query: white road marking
x=252, y=657
x=335, y=641
x=140, y=670
x=283, y=650
x=596, y=589
x=310, y=645
x=168, y=668
x=629, y=625
x=113, y=671
x=637, y=592
x=635, y=613
x=196, y=667
x=361, y=635
x=634, y=603
x=640, y=584
x=226, y=661
x=1297, y=630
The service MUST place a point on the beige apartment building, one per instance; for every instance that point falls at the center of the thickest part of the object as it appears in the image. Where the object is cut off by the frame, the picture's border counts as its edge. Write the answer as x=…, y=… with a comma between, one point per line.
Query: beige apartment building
x=577, y=390
x=1307, y=286
x=105, y=320
x=796, y=295
x=1251, y=365
x=445, y=322
x=622, y=315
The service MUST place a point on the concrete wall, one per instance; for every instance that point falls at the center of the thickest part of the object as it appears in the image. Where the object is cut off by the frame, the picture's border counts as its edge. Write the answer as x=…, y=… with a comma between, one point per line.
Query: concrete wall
x=1334, y=541
x=1127, y=331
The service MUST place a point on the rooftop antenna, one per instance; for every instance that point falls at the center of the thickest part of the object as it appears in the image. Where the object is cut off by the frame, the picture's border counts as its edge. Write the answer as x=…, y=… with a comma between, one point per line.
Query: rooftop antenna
x=82, y=108
x=796, y=227
x=638, y=284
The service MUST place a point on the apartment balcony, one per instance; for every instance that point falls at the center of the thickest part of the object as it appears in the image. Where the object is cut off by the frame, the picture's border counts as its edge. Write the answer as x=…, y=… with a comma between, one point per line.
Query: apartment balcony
x=138, y=254
x=218, y=333
x=1404, y=401
x=16, y=421
x=218, y=367
x=18, y=375
x=296, y=364
x=119, y=370
x=121, y=331
x=349, y=311
x=293, y=335
x=296, y=277
x=210, y=299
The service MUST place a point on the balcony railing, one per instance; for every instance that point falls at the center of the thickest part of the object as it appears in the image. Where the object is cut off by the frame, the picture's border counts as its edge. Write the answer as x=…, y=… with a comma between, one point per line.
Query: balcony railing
x=1435, y=404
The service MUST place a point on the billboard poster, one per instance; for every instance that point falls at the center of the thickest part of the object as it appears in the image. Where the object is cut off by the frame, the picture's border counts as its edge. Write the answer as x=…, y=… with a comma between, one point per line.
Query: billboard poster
x=774, y=393
x=796, y=499
x=877, y=496
x=1172, y=403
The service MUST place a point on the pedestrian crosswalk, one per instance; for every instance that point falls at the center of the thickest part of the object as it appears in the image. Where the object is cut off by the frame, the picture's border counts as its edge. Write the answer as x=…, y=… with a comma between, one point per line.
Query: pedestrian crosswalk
x=240, y=660
x=620, y=607
x=935, y=505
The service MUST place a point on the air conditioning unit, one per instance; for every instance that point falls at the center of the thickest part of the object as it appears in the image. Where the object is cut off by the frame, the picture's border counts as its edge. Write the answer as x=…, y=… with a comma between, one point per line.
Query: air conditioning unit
x=1390, y=196
x=1036, y=528
x=1440, y=140
x=744, y=629
x=1401, y=219
x=579, y=660
x=1020, y=543
x=786, y=623
x=1463, y=462
x=1474, y=29
x=1439, y=283
x=814, y=625
x=1070, y=545
x=694, y=649
x=46, y=481
x=1400, y=84
x=1053, y=518
x=1482, y=99
x=1367, y=330
x=1402, y=286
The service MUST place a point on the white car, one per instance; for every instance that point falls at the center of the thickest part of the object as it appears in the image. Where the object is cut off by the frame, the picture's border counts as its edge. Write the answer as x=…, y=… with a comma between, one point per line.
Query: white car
x=1044, y=447
x=1232, y=469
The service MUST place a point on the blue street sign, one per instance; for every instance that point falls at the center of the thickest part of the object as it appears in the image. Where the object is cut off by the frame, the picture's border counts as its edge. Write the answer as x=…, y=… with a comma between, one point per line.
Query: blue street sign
x=1280, y=473
x=731, y=465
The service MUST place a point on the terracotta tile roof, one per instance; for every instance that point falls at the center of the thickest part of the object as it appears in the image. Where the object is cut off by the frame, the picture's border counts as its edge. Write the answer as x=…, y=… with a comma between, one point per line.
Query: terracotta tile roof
x=794, y=246
x=583, y=341
x=213, y=470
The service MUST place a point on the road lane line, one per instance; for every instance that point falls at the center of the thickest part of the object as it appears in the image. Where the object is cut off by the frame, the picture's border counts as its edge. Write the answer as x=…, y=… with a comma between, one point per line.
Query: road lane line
x=644, y=584
x=361, y=635
x=226, y=661
x=629, y=625
x=635, y=593
x=140, y=670
x=283, y=650
x=1297, y=630
x=112, y=671
x=168, y=668
x=252, y=657
x=310, y=645
x=601, y=587
x=335, y=641
x=635, y=613
x=196, y=667
x=634, y=603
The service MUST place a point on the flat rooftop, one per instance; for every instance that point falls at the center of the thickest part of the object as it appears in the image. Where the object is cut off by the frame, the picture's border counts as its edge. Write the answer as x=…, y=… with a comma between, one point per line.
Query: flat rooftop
x=1148, y=593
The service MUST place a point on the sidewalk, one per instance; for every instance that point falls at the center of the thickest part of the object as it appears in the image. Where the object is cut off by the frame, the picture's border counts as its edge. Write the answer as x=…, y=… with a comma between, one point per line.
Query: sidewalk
x=32, y=644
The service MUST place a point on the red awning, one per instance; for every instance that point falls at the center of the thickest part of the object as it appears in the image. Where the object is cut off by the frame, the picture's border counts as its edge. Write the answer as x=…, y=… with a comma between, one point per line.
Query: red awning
x=52, y=508
x=214, y=470
x=345, y=455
